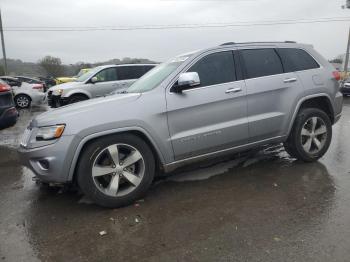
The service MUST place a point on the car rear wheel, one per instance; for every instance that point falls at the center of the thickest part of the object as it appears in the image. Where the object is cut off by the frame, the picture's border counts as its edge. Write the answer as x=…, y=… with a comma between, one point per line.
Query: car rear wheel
x=311, y=135
x=115, y=171
x=22, y=101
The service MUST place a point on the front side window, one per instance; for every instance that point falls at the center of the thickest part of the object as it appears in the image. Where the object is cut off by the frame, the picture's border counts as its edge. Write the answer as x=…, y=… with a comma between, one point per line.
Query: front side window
x=108, y=74
x=294, y=59
x=213, y=69
x=156, y=76
x=261, y=62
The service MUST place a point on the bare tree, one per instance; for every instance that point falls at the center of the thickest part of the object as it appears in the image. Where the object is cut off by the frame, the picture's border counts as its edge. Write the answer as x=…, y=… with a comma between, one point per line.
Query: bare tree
x=52, y=65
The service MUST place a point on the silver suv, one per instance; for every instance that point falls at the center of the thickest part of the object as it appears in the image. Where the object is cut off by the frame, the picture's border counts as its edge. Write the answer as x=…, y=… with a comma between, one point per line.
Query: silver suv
x=99, y=81
x=195, y=106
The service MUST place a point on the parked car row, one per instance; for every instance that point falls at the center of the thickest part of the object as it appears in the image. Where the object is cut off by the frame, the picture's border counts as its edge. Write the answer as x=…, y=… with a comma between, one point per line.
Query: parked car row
x=25, y=94
x=196, y=106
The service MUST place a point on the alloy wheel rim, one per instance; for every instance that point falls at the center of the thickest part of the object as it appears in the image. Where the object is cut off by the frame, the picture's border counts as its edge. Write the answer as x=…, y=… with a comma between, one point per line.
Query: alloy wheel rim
x=118, y=170
x=313, y=135
x=22, y=101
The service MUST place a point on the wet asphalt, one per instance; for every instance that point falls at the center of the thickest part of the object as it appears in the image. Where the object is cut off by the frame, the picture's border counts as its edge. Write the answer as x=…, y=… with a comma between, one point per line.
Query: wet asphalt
x=257, y=206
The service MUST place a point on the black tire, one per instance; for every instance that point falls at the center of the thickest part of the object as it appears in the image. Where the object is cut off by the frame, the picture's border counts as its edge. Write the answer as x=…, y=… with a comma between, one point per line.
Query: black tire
x=19, y=101
x=77, y=98
x=294, y=146
x=90, y=153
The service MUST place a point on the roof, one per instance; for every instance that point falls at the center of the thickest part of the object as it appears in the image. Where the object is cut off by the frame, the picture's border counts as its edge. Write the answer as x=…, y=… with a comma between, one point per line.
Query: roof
x=9, y=77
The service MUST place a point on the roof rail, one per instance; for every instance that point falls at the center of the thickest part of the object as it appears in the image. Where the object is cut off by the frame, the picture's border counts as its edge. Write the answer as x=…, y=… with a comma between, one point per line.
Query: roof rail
x=233, y=43
x=228, y=43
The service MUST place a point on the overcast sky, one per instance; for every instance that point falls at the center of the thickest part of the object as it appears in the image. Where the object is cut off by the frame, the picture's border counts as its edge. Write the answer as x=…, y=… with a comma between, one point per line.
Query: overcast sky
x=93, y=46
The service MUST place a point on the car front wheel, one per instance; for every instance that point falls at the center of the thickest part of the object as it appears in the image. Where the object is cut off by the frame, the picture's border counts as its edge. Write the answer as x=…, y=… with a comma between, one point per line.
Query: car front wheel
x=115, y=171
x=311, y=135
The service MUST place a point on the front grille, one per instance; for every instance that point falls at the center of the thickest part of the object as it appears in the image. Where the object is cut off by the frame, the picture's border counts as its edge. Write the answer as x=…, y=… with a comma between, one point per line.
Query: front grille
x=6, y=100
x=49, y=94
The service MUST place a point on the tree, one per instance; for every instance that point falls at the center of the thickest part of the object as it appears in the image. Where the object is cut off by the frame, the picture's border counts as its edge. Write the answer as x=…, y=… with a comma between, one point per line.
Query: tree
x=52, y=65
x=2, y=70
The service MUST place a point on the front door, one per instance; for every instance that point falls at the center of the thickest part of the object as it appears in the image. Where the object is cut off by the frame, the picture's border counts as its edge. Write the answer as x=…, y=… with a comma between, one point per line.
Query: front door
x=212, y=116
x=107, y=82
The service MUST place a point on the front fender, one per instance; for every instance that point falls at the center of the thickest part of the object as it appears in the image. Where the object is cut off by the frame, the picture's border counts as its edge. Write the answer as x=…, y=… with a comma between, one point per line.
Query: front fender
x=88, y=138
x=77, y=91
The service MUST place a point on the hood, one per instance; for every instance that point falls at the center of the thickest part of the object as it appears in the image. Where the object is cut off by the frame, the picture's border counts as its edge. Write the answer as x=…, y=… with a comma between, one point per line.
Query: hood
x=66, y=78
x=76, y=114
x=64, y=86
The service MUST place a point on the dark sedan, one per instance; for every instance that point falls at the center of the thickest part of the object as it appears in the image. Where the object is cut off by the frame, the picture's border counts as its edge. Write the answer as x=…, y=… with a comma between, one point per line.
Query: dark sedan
x=346, y=89
x=8, y=112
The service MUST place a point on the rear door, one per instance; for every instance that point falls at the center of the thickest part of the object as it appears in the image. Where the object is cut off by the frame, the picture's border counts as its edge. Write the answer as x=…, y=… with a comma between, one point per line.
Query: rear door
x=212, y=116
x=271, y=93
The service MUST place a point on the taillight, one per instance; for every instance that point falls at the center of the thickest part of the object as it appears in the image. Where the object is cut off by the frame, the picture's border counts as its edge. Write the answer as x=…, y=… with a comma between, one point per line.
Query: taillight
x=336, y=75
x=37, y=86
x=4, y=88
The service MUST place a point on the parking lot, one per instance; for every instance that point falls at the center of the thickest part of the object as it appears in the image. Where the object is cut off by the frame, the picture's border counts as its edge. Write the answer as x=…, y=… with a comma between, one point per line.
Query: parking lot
x=257, y=206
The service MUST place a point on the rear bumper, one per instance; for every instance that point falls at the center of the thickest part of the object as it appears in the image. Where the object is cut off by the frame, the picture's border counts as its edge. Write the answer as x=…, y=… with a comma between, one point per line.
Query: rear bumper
x=38, y=99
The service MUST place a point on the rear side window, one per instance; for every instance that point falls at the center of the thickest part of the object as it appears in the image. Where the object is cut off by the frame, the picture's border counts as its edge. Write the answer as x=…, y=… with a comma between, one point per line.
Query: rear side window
x=296, y=59
x=261, y=62
x=215, y=69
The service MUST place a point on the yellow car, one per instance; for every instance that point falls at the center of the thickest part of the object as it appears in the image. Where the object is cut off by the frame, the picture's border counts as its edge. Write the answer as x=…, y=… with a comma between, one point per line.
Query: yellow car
x=61, y=80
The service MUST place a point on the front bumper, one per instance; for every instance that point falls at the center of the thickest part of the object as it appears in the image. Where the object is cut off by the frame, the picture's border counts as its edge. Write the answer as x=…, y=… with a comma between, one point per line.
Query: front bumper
x=56, y=100
x=50, y=163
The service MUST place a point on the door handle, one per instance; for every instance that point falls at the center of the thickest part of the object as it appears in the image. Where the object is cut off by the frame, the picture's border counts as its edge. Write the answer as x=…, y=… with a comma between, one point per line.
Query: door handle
x=290, y=80
x=233, y=90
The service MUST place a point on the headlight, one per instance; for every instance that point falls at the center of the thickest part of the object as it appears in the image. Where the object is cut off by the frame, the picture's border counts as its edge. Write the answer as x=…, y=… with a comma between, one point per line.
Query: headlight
x=49, y=132
x=57, y=92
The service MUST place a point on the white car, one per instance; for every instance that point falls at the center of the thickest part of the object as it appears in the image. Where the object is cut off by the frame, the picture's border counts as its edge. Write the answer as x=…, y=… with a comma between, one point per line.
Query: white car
x=28, y=94
x=99, y=81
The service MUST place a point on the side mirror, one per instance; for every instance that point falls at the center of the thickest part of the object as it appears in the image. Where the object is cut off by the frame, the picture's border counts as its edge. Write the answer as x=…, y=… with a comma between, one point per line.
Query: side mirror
x=94, y=80
x=185, y=81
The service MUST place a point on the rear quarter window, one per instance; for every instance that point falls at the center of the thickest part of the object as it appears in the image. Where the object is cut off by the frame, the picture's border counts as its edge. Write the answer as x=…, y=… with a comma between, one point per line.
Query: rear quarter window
x=294, y=59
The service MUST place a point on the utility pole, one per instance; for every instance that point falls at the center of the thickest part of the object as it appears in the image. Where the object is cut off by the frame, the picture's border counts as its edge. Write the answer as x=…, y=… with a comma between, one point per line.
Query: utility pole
x=3, y=45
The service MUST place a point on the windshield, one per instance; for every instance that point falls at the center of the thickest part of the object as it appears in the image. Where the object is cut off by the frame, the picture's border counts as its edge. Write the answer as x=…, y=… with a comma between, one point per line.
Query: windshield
x=89, y=74
x=154, y=77
x=82, y=71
